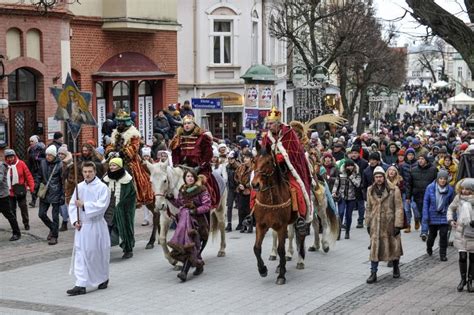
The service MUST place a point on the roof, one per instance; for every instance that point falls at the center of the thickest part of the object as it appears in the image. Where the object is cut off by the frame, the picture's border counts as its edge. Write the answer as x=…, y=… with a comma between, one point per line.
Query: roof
x=259, y=73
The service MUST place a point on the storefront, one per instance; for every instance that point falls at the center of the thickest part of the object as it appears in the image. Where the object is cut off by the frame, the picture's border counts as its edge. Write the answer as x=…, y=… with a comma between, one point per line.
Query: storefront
x=233, y=106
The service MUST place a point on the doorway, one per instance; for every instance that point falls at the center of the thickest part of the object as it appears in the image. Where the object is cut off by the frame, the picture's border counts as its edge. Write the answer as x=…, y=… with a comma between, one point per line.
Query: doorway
x=22, y=127
x=232, y=125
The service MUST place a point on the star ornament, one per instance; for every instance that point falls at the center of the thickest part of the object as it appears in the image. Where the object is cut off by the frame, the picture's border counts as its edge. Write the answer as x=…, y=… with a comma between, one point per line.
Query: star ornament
x=73, y=106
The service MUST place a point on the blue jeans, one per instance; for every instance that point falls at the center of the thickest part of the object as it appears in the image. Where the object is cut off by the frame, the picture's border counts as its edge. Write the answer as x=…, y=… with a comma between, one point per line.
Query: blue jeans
x=361, y=209
x=409, y=207
x=64, y=212
x=345, y=209
x=374, y=266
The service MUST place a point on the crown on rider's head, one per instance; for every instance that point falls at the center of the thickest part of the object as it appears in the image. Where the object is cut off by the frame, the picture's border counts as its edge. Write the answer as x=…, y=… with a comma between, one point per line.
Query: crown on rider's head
x=122, y=115
x=274, y=115
x=188, y=118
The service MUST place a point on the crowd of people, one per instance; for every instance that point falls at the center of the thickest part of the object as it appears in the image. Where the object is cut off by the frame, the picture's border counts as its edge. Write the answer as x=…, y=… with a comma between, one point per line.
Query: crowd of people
x=408, y=169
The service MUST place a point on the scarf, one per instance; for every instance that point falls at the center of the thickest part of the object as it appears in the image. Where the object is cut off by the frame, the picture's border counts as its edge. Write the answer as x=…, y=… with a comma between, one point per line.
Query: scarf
x=465, y=210
x=379, y=190
x=117, y=174
x=12, y=175
x=441, y=197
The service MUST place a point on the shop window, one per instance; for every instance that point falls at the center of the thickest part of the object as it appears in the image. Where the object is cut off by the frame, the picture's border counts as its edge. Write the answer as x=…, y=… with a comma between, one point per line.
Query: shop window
x=13, y=43
x=33, y=44
x=121, y=96
x=222, y=42
x=21, y=85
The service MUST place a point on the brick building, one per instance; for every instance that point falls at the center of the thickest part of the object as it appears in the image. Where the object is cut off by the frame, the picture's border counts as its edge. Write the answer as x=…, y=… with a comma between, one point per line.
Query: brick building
x=125, y=55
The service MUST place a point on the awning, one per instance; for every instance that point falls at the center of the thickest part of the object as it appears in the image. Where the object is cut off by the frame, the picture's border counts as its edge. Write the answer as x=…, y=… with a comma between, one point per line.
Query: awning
x=143, y=75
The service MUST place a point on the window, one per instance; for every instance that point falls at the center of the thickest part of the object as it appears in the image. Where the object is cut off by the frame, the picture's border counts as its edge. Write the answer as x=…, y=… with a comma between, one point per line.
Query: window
x=254, y=42
x=121, y=93
x=13, y=43
x=21, y=85
x=33, y=44
x=459, y=72
x=99, y=90
x=144, y=88
x=222, y=42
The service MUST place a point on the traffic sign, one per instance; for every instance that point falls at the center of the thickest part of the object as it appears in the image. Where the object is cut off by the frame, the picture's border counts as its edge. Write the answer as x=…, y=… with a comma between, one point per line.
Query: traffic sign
x=206, y=103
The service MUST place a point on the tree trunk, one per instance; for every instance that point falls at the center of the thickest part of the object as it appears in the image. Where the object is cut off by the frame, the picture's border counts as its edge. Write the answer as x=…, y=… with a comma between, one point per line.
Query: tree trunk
x=363, y=107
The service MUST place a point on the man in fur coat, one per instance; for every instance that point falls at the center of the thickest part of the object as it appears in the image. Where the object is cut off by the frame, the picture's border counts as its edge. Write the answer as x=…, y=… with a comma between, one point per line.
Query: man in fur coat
x=384, y=220
x=284, y=142
x=125, y=143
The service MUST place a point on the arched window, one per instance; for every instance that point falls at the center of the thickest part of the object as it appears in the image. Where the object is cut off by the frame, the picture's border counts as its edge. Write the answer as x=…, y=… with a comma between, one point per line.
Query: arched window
x=99, y=90
x=121, y=94
x=144, y=88
x=13, y=43
x=21, y=85
x=33, y=44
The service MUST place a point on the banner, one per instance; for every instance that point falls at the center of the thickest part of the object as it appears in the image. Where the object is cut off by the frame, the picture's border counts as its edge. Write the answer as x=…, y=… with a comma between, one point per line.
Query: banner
x=251, y=96
x=101, y=117
x=149, y=120
x=141, y=116
x=266, y=97
x=251, y=119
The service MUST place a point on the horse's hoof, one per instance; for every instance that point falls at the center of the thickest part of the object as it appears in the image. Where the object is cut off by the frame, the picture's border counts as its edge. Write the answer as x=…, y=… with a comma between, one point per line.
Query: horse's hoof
x=300, y=266
x=149, y=246
x=288, y=258
x=312, y=249
x=263, y=272
x=271, y=258
x=221, y=254
x=326, y=249
x=281, y=281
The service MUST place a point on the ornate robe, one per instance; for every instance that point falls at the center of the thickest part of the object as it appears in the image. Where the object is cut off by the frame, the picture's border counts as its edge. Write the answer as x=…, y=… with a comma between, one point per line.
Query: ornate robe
x=127, y=143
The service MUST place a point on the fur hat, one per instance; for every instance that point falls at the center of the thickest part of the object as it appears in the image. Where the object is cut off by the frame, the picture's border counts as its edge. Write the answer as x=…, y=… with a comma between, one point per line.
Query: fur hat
x=51, y=150
x=379, y=170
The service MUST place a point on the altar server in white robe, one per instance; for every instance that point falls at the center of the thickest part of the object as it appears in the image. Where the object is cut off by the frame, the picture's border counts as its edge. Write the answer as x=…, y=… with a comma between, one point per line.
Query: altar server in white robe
x=91, y=253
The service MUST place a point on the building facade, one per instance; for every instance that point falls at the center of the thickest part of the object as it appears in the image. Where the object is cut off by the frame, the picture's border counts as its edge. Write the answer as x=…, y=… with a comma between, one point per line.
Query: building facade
x=123, y=51
x=218, y=42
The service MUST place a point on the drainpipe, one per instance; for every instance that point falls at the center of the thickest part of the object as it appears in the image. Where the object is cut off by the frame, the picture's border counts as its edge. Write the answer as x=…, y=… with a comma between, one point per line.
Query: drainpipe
x=264, y=37
x=194, y=46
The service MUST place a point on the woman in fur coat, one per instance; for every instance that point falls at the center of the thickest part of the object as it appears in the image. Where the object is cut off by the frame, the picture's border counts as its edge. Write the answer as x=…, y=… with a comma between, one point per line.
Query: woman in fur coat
x=192, y=231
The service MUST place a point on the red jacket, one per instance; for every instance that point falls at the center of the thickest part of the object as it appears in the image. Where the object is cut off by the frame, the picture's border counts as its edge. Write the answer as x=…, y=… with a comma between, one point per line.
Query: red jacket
x=24, y=175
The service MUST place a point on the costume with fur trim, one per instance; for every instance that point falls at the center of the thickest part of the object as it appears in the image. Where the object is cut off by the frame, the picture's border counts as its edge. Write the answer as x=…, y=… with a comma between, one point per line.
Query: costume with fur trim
x=194, y=149
x=288, y=145
x=127, y=143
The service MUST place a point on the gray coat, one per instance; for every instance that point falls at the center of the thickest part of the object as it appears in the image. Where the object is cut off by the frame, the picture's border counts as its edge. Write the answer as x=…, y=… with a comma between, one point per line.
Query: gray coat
x=4, y=191
x=461, y=242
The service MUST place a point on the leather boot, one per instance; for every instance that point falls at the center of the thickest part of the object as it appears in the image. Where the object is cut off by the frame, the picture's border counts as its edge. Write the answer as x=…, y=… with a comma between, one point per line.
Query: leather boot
x=408, y=229
x=63, y=227
x=417, y=224
x=396, y=269
x=470, y=276
x=347, y=236
x=76, y=291
x=372, y=278
x=228, y=228
x=184, y=271
x=463, y=270
x=250, y=229
x=198, y=270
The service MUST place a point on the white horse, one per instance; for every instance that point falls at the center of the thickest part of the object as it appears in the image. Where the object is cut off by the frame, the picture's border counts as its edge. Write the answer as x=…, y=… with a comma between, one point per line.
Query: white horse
x=168, y=180
x=328, y=220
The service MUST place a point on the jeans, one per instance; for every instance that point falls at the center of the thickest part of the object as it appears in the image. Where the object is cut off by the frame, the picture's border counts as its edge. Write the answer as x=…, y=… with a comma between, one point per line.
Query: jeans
x=443, y=238
x=374, y=266
x=64, y=212
x=419, y=206
x=360, y=203
x=23, y=208
x=345, y=208
x=408, y=206
x=231, y=199
x=43, y=215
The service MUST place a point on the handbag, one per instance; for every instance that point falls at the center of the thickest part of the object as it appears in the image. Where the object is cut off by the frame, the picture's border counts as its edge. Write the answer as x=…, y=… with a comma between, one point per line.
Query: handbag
x=19, y=190
x=43, y=189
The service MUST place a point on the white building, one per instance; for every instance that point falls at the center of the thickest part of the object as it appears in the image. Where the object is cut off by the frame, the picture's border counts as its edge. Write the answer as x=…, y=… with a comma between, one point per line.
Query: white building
x=457, y=70
x=417, y=74
x=218, y=42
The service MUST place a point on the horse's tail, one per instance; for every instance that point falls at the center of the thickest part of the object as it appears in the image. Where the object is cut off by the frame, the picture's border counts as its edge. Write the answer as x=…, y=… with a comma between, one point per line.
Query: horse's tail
x=333, y=222
x=214, y=224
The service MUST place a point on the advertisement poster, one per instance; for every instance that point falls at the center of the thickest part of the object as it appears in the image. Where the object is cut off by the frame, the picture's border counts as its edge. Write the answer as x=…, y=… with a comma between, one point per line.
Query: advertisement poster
x=261, y=119
x=266, y=96
x=251, y=96
x=251, y=119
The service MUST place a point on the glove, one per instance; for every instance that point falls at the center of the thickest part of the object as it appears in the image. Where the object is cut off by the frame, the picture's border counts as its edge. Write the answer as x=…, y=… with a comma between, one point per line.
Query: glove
x=190, y=205
x=192, y=211
x=472, y=224
x=396, y=232
x=368, y=229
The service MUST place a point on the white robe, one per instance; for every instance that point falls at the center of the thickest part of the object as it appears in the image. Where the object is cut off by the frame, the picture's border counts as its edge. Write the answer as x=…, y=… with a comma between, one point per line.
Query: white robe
x=91, y=253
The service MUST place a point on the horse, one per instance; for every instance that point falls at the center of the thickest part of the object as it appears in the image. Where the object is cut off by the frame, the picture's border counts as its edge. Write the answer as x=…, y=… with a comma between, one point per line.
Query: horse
x=273, y=209
x=168, y=180
x=323, y=215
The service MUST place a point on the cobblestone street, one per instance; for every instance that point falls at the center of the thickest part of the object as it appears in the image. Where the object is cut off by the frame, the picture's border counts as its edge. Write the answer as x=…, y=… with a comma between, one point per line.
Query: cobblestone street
x=34, y=278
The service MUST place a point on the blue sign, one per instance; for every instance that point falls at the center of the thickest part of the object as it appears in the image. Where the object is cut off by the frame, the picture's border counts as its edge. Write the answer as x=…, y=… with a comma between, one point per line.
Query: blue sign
x=206, y=103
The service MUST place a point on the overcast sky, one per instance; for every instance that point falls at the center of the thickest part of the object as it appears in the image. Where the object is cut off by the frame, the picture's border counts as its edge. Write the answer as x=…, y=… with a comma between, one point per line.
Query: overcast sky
x=393, y=9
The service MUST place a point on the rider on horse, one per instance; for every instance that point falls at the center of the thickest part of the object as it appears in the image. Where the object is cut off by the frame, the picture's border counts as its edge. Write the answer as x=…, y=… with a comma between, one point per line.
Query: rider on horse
x=283, y=141
x=192, y=147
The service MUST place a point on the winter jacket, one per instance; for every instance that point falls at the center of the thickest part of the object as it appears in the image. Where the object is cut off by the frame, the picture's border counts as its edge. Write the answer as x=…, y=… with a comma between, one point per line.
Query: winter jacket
x=431, y=215
x=24, y=175
x=55, y=193
x=420, y=178
x=406, y=168
x=35, y=154
x=390, y=158
x=460, y=241
x=345, y=186
x=161, y=126
x=186, y=112
x=174, y=122
x=3, y=180
x=420, y=152
x=452, y=171
x=231, y=183
x=330, y=175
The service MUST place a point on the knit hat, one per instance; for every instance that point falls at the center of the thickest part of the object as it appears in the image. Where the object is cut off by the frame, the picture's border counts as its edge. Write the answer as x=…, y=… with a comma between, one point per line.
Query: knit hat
x=379, y=170
x=401, y=152
x=327, y=155
x=232, y=155
x=51, y=150
x=63, y=149
x=410, y=150
x=34, y=138
x=349, y=162
x=222, y=145
x=117, y=161
x=58, y=135
x=355, y=148
x=463, y=146
x=9, y=152
x=146, y=151
x=416, y=141
x=374, y=156
x=467, y=183
x=442, y=174
x=443, y=149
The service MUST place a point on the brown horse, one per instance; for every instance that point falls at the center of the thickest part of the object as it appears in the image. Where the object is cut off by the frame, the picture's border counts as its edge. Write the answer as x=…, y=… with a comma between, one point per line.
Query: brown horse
x=272, y=209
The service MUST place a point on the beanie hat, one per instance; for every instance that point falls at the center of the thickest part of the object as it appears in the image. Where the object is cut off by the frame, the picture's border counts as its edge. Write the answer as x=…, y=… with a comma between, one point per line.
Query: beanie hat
x=117, y=161
x=349, y=162
x=9, y=152
x=34, y=138
x=51, y=150
x=410, y=150
x=374, y=156
x=401, y=152
x=327, y=155
x=416, y=141
x=463, y=146
x=231, y=155
x=146, y=151
x=443, y=149
x=355, y=148
x=63, y=149
x=467, y=183
x=58, y=135
x=379, y=170
x=442, y=174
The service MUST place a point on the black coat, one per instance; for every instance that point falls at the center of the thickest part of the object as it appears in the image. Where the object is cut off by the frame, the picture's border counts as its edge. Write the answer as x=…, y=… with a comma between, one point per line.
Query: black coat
x=419, y=179
x=55, y=192
x=231, y=183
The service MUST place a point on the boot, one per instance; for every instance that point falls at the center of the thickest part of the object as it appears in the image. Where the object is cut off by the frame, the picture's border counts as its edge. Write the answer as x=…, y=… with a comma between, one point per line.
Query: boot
x=417, y=224
x=408, y=229
x=360, y=225
x=463, y=270
x=429, y=251
x=250, y=229
x=339, y=234
x=184, y=271
x=239, y=227
x=228, y=228
x=347, y=236
x=372, y=278
x=470, y=276
x=396, y=269
x=53, y=241
x=76, y=291
x=243, y=229
x=442, y=254
x=127, y=255
x=63, y=227
x=15, y=237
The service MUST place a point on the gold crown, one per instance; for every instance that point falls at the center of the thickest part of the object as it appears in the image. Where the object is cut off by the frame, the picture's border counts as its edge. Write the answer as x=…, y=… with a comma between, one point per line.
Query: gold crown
x=188, y=118
x=274, y=115
x=122, y=115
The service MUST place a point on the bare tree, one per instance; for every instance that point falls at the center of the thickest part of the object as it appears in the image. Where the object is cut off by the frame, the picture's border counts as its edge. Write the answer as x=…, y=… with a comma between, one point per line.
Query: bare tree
x=447, y=26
